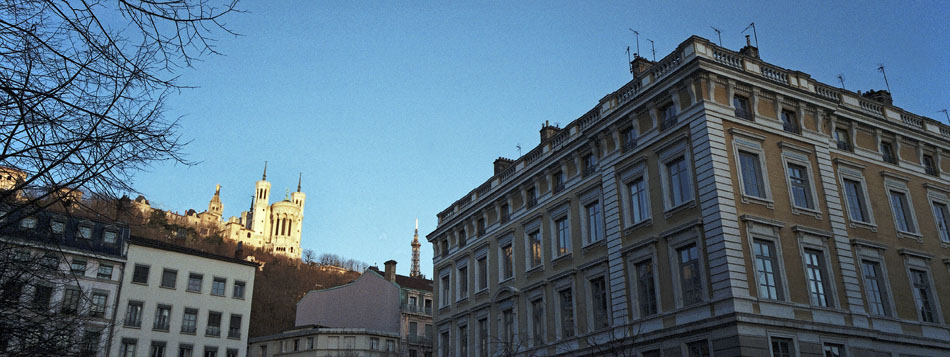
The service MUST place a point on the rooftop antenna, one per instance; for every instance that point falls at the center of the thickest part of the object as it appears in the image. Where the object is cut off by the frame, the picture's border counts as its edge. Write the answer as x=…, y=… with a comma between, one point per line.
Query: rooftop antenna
x=637, y=34
x=519, y=149
x=841, y=79
x=628, y=54
x=652, y=49
x=719, y=33
x=756, y=35
x=880, y=67
x=945, y=113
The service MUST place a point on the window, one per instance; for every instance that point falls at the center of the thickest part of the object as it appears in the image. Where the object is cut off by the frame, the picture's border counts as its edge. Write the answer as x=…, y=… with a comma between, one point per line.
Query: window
x=217, y=286
x=834, y=350
x=782, y=347
x=559, y=181
x=461, y=238
x=563, y=236
x=942, y=218
x=28, y=223
x=742, y=107
x=463, y=341
x=532, y=196
x=309, y=343
x=929, y=165
x=537, y=322
x=231, y=352
x=842, y=139
x=878, y=303
x=133, y=315
x=668, y=112
x=89, y=345
x=49, y=262
x=168, y=278
x=903, y=217
x=566, y=302
x=646, y=287
x=480, y=226
x=189, y=322
x=508, y=325
x=214, y=324
x=857, y=203
x=444, y=283
x=766, y=267
x=234, y=326
x=105, y=272
x=162, y=317
x=462, y=280
x=444, y=343
x=85, y=232
x=817, y=277
x=483, y=337
x=71, y=297
x=753, y=183
x=98, y=308
x=680, y=187
x=507, y=266
x=698, y=349
x=690, y=281
x=158, y=349
x=128, y=347
x=194, y=282
x=598, y=296
x=78, y=267
x=505, y=213
x=108, y=237
x=800, y=186
x=887, y=153
x=629, y=138
x=534, y=246
x=140, y=274
x=639, y=210
x=374, y=343
x=57, y=227
x=482, y=266
x=42, y=294
x=445, y=246
x=238, y=289
x=923, y=295
x=595, y=222
x=790, y=122
x=211, y=351
x=590, y=164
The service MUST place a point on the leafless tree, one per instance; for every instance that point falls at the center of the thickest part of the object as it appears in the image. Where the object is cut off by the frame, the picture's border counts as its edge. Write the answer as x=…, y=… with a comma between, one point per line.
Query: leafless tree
x=309, y=257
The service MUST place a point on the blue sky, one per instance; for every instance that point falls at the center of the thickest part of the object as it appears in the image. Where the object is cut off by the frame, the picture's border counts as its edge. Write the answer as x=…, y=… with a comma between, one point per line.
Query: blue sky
x=394, y=110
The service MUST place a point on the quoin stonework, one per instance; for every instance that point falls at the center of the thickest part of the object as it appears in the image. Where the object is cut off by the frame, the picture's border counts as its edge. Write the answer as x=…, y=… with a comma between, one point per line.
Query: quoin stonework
x=715, y=204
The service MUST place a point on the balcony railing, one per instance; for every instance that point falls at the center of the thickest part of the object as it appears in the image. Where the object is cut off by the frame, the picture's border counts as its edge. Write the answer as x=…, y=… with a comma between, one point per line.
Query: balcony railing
x=844, y=145
x=668, y=123
x=415, y=309
x=419, y=340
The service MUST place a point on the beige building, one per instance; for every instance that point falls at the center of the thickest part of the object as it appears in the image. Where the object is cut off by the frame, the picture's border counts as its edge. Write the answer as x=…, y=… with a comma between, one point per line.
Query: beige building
x=316, y=341
x=715, y=205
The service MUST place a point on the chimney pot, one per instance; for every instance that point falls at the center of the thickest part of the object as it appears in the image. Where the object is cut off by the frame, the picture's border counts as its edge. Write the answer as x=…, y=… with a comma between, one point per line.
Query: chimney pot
x=390, y=273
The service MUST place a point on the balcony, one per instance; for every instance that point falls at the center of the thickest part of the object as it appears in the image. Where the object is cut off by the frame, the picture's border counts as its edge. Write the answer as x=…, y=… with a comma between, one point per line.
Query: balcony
x=889, y=158
x=668, y=123
x=419, y=340
x=415, y=309
x=844, y=145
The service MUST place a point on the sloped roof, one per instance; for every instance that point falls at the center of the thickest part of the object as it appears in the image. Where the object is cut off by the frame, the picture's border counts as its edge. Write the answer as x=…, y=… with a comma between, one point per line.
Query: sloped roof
x=407, y=282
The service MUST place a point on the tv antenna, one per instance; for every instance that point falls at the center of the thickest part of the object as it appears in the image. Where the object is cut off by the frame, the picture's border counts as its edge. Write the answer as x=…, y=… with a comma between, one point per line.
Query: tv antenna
x=945, y=113
x=652, y=49
x=628, y=54
x=841, y=79
x=752, y=25
x=718, y=33
x=519, y=149
x=880, y=67
x=637, y=34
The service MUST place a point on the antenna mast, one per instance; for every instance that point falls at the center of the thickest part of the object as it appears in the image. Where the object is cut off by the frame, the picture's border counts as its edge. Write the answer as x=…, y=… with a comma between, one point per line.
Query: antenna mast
x=945, y=113
x=841, y=79
x=653, y=49
x=719, y=33
x=637, y=34
x=756, y=35
x=881, y=68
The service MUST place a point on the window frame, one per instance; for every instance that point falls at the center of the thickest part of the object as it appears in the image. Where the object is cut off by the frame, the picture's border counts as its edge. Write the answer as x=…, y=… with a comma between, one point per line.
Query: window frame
x=157, y=321
x=561, y=214
x=921, y=262
x=588, y=200
x=531, y=229
x=223, y=283
x=243, y=289
x=815, y=242
x=592, y=319
x=637, y=173
x=751, y=145
x=742, y=109
x=482, y=255
x=939, y=197
x=790, y=121
x=146, y=268
x=186, y=312
x=565, y=284
x=462, y=283
x=801, y=158
x=535, y=299
x=445, y=287
x=893, y=185
x=676, y=149
x=646, y=255
x=174, y=281
x=676, y=242
x=503, y=258
x=792, y=343
x=883, y=283
x=855, y=174
x=137, y=322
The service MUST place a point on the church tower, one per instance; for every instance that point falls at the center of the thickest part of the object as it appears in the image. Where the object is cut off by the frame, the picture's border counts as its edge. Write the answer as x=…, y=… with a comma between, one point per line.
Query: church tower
x=414, y=270
x=259, y=215
x=214, y=207
x=298, y=198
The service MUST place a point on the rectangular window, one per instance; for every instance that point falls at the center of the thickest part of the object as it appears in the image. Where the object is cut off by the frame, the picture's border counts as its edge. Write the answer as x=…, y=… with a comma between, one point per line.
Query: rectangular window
x=162, y=317
x=483, y=337
x=887, y=153
x=590, y=164
x=444, y=344
x=90, y=343
x=49, y=263
x=669, y=116
x=930, y=165
x=559, y=181
x=638, y=200
x=800, y=186
x=646, y=288
x=566, y=302
x=108, y=237
x=698, y=349
x=189, y=322
x=480, y=226
x=462, y=279
x=742, y=107
x=690, y=281
x=482, y=266
x=211, y=351
x=42, y=294
x=133, y=315
x=188, y=350
x=537, y=322
x=231, y=352
x=923, y=295
x=782, y=347
x=857, y=203
x=598, y=296
x=71, y=299
x=752, y=182
x=942, y=218
x=214, y=324
x=563, y=236
x=595, y=222
x=629, y=138
x=98, y=308
x=842, y=139
x=128, y=347
x=902, y=214
x=446, y=290
x=505, y=213
x=508, y=325
x=766, y=267
x=105, y=272
x=833, y=350
x=874, y=288
x=194, y=282
x=85, y=232
x=234, y=326
x=158, y=349
x=679, y=182
x=140, y=274
x=532, y=196
x=445, y=247
x=463, y=341
x=78, y=267
x=168, y=278
x=817, y=277
x=507, y=264
x=790, y=122
x=57, y=227
x=462, y=238
x=217, y=286
x=238, y=289
x=534, y=245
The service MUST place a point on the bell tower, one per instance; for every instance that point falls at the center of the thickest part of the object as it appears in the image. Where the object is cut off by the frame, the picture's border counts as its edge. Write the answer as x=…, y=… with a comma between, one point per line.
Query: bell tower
x=261, y=204
x=214, y=207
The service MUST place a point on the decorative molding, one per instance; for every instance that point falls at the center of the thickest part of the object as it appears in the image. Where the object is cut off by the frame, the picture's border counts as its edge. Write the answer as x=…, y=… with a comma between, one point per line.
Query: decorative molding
x=915, y=253
x=869, y=244
x=813, y=231
x=762, y=220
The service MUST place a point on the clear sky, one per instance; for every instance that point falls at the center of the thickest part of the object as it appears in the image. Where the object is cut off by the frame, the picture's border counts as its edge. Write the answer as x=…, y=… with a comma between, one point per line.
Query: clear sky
x=394, y=110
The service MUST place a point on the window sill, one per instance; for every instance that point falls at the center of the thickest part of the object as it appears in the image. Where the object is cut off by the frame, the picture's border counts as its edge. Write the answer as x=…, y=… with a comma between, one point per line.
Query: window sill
x=167, y=287
x=870, y=226
x=139, y=327
x=565, y=257
x=534, y=269
x=643, y=223
x=160, y=329
x=806, y=211
x=138, y=283
x=908, y=235
x=462, y=300
x=680, y=207
x=757, y=200
x=192, y=333
x=193, y=291
x=593, y=245
x=506, y=280
x=215, y=336
x=481, y=292
x=234, y=338
x=218, y=295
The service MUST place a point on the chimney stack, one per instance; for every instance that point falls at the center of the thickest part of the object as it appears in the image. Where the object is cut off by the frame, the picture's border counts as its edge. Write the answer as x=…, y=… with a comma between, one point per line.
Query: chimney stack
x=548, y=131
x=749, y=50
x=390, y=270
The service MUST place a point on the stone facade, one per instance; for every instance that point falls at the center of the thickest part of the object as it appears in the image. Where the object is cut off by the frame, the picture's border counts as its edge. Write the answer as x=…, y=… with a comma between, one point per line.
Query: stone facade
x=714, y=205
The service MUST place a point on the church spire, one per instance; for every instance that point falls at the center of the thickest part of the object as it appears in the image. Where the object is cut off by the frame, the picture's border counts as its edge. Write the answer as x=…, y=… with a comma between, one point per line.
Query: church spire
x=299, y=178
x=414, y=270
x=264, y=178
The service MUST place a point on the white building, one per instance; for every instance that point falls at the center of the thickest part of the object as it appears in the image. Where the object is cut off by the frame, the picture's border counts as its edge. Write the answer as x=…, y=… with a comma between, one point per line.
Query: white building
x=325, y=341
x=178, y=301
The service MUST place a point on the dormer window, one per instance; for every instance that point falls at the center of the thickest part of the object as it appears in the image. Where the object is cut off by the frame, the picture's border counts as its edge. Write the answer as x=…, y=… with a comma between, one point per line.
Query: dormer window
x=28, y=223
x=109, y=237
x=57, y=227
x=84, y=232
